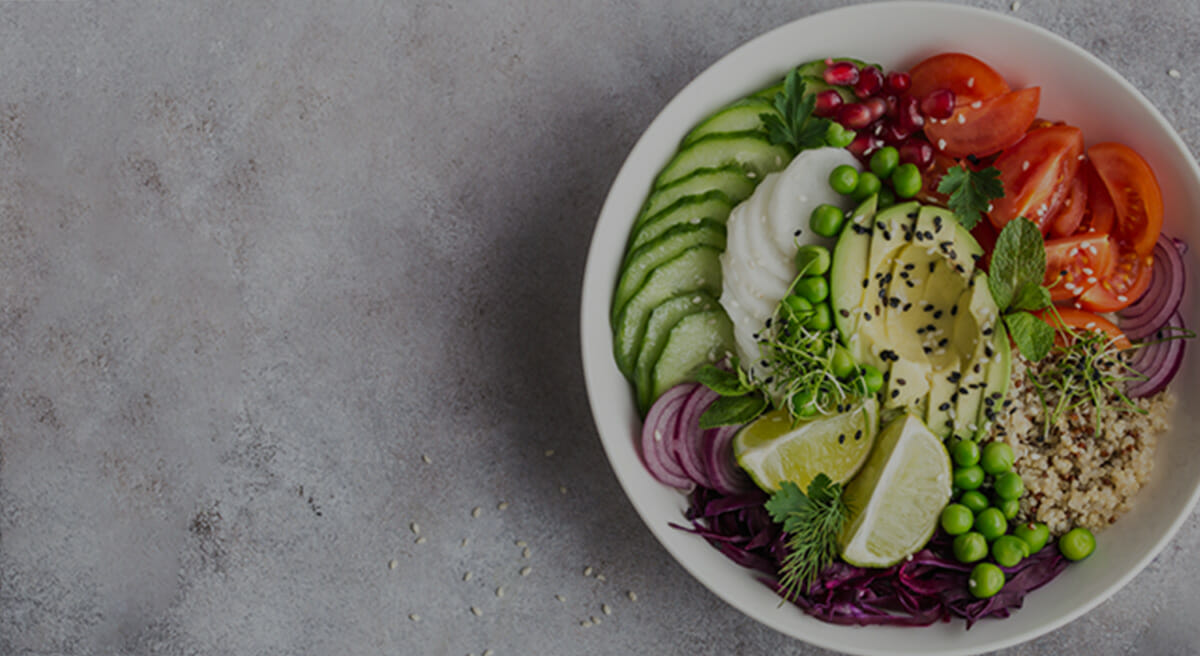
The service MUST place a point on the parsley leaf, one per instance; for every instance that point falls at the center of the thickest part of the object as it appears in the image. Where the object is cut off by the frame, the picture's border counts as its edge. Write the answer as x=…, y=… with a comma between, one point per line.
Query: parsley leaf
x=729, y=410
x=1033, y=336
x=813, y=523
x=794, y=125
x=971, y=192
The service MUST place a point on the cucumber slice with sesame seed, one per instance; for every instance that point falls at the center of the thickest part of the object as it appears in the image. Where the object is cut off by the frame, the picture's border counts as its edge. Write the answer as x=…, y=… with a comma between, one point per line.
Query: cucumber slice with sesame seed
x=749, y=149
x=730, y=180
x=658, y=330
x=663, y=248
x=713, y=205
x=696, y=340
x=694, y=270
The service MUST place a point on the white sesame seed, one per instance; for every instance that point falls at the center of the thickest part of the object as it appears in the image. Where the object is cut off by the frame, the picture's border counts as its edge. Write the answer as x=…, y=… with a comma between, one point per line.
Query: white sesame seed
x=464, y=542
x=751, y=174
x=392, y=564
x=1025, y=165
x=560, y=597
x=562, y=489
x=1016, y=5
x=1174, y=73
x=587, y=571
x=971, y=83
x=466, y=576
x=486, y=652
x=594, y=619
x=520, y=543
x=962, y=118
x=658, y=436
x=414, y=617
x=1122, y=298
x=420, y=540
x=1092, y=280
x=942, y=142
x=585, y=623
x=427, y=459
x=476, y=511
x=600, y=577
x=1090, y=325
x=416, y=528
x=500, y=591
x=1088, y=270
x=632, y=595
x=526, y=570
x=503, y=505
x=525, y=552
x=977, y=104
x=475, y=611
x=549, y=452
x=606, y=609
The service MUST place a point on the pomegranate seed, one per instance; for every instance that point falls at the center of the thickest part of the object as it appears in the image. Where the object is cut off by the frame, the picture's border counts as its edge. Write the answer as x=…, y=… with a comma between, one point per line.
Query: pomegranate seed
x=877, y=106
x=894, y=135
x=827, y=103
x=909, y=114
x=897, y=83
x=854, y=116
x=893, y=106
x=865, y=144
x=918, y=151
x=841, y=74
x=938, y=104
x=870, y=81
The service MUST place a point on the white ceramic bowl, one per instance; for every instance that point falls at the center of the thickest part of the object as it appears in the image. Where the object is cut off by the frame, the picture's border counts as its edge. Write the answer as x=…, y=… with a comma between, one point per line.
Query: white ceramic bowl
x=1076, y=87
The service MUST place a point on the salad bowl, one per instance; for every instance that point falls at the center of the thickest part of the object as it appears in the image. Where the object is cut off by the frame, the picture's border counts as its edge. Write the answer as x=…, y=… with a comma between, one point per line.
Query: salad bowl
x=1076, y=86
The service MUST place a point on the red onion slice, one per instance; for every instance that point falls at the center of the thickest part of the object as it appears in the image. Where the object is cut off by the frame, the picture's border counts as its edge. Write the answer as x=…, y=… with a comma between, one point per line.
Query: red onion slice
x=660, y=426
x=1159, y=361
x=688, y=442
x=1162, y=298
x=723, y=471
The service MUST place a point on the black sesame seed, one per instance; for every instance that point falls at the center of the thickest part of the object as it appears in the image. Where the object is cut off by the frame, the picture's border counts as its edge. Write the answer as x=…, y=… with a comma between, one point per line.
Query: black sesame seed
x=858, y=434
x=912, y=214
x=907, y=307
x=937, y=315
x=976, y=368
x=987, y=331
x=895, y=393
x=943, y=342
x=841, y=439
x=844, y=312
x=797, y=233
x=901, y=381
x=865, y=283
x=954, y=377
x=953, y=310
x=910, y=266
x=944, y=406
x=932, y=266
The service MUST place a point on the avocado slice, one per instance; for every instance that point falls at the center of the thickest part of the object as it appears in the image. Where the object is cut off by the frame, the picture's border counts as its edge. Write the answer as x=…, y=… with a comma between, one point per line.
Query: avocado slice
x=890, y=233
x=979, y=317
x=848, y=272
x=999, y=371
x=943, y=394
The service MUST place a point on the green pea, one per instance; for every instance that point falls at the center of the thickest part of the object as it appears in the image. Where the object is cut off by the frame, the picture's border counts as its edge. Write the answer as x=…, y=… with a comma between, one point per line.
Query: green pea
x=991, y=523
x=799, y=306
x=1009, y=508
x=868, y=183
x=813, y=260
x=844, y=179
x=1008, y=550
x=838, y=136
x=965, y=453
x=802, y=402
x=887, y=197
x=1035, y=534
x=985, y=580
x=826, y=220
x=1009, y=486
x=975, y=500
x=997, y=458
x=970, y=547
x=842, y=363
x=1077, y=543
x=884, y=161
x=873, y=378
x=813, y=288
x=957, y=519
x=821, y=319
x=906, y=180
x=968, y=478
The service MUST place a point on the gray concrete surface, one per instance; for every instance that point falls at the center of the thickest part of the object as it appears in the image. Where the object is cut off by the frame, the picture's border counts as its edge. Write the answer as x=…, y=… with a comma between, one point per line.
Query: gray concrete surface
x=257, y=261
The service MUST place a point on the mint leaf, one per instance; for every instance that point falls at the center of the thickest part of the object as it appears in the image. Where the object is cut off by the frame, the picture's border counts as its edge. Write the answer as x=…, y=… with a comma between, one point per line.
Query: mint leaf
x=1032, y=298
x=725, y=383
x=1018, y=261
x=1033, y=336
x=730, y=410
x=788, y=499
x=971, y=192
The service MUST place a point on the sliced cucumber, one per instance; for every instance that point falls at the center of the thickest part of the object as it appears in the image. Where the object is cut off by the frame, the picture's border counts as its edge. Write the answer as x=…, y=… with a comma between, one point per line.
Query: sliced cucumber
x=698, y=339
x=698, y=269
x=750, y=150
x=730, y=180
x=664, y=248
x=713, y=205
x=743, y=115
x=658, y=328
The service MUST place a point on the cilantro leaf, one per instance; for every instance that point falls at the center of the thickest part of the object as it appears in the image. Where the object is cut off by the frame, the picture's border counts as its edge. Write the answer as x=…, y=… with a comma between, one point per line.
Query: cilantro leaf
x=971, y=192
x=725, y=383
x=786, y=501
x=812, y=523
x=729, y=410
x=1032, y=336
x=1018, y=261
x=794, y=125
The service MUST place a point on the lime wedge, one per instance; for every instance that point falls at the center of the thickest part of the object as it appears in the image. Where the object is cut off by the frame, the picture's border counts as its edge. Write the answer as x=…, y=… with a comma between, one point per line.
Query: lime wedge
x=896, y=499
x=772, y=450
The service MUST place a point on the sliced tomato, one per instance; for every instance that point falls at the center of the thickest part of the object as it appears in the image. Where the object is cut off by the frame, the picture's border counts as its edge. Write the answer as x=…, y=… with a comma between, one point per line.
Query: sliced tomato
x=1036, y=174
x=932, y=176
x=983, y=127
x=1073, y=319
x=986, y=235
x=1127, y=283
x=1070, y=215
x=1101, y=215
x=1044, y=123
x=1135, y=194
x=969, y=78
x=1076, y=264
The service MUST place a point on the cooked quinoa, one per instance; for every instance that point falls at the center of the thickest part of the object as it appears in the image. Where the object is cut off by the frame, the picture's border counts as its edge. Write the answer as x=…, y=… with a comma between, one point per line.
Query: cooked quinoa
x=1079, y=474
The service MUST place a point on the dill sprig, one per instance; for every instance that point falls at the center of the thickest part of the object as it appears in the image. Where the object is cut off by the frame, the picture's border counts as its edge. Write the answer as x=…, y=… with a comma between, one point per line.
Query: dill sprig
x=812, y=523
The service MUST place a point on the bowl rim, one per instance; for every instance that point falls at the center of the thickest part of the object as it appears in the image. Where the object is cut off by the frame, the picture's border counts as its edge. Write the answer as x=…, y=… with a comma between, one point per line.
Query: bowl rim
x=596, y=293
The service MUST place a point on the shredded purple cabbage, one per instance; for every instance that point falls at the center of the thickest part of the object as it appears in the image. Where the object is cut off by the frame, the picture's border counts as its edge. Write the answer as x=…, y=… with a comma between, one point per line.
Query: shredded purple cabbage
x=929, y=586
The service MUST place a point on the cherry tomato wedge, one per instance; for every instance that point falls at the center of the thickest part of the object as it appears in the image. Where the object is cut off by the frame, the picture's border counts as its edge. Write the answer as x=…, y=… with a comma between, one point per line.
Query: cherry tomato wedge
x=986, y=236
x=1034, y=173
x=1127, y=283
x=1072, y=319
x=969, y=78
x=1076, y=264
x=1101, y=215
x=1135, y=193
x=1070, y=215
x=984, y=127
x=932, y=176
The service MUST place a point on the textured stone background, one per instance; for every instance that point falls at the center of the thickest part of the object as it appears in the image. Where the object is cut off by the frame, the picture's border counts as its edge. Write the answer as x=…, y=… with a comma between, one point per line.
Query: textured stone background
x=256, y=261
